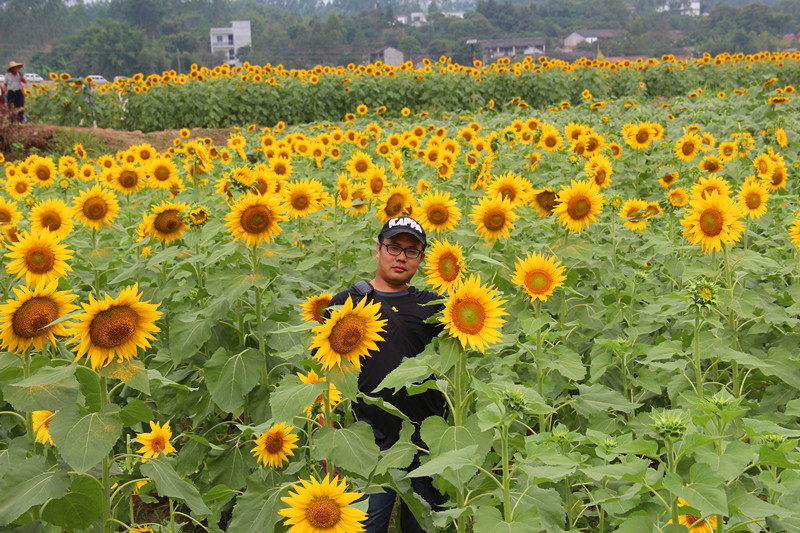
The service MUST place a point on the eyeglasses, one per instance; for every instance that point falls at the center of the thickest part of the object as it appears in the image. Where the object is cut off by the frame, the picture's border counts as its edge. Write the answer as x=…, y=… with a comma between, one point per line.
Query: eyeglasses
x=394, y=249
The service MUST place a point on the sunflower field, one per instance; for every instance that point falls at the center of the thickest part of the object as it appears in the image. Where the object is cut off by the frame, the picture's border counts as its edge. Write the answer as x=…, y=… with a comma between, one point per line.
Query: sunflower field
x=621, y=288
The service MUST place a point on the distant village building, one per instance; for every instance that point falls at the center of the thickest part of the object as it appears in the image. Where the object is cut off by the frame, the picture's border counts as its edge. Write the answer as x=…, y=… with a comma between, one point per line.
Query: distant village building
x=528, y=46
x=682, y=7
x=589, y=36
x=418, y=18
x=228, y=41
x=387, y=54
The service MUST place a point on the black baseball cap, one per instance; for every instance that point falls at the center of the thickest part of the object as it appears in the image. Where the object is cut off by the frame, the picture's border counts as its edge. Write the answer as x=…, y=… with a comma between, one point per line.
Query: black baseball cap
x=399, y=225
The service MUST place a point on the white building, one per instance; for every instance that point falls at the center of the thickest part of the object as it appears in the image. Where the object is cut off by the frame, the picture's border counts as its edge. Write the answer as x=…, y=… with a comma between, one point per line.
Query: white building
x=683, y=7
x=227, y=41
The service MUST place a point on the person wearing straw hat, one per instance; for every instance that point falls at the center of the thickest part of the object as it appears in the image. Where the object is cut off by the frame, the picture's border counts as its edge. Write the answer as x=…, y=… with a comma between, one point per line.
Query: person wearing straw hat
x=15, y=95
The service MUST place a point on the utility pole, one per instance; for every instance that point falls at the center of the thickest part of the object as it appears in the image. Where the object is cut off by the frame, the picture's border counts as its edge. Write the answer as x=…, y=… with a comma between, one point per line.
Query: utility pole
x=178, y=51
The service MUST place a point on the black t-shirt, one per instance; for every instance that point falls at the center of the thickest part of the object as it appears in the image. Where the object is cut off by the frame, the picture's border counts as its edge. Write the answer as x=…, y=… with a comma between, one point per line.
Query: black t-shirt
x=391, y=351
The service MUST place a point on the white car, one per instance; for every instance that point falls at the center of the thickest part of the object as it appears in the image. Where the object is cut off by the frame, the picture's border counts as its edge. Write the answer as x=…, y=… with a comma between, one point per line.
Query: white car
x=32, y=77
x=97, y=79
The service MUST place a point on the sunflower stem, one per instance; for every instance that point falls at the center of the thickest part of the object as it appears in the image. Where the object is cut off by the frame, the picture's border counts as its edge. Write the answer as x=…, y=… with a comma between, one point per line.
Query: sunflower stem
x=697, y=370
x=507, y=512
x=329, y=421
x=106, y=480
x=539, y=373
x=459, y=414
x=26, y=373
x=171, y=516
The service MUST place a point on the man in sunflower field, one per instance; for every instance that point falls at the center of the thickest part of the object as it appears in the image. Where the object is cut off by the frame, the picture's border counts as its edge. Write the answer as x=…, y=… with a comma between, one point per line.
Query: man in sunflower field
x=399, y=252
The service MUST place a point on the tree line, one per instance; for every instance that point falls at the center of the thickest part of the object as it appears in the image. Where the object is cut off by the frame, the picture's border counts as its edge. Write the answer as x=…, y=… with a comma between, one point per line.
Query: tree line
x=122, y=37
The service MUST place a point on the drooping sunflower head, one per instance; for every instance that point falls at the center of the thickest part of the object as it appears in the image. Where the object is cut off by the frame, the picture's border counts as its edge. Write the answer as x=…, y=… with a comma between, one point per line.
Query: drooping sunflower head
x=114, y=327
x=323, y=507
x=273, y=447
x=544, y=200
x=254, y=219
x=579, y=204
x=314, y=307
x=156, y=441
x=438, y=212
x=349, y=333
x=25, y=319
x=633, y=214
x=538, y=275
x=472, y=314
x=444, y=266
x=40, y=257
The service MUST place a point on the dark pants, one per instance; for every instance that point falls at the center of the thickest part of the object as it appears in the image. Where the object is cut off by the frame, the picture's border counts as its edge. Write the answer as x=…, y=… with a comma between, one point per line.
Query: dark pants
x=380, y=507
x=16, y=100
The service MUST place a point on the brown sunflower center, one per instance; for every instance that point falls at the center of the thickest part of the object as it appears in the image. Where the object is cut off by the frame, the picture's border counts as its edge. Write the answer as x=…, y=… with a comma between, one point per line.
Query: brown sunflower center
x=113, y=327
x=579, y=207
x=256, y=219
x=494, y=220
x=642, y=136
x=20, y=187
x=161, y=173
x=159, y=443
x=95, y=208
x=323, y=513
x=128, y=179
x=711, y=222
x=5, y=216
x=438, y=215
x=508, y=192
x=260, y=185
x=550, y=141
x=469, y=316
x=546, y=200
x=376, y=184
x=395, y=204
x=40, y=259
x=687, y=148
x=32, y=316
x=600, y=176
x=538, y=281
x=168, y=222
x=347, y=333
x=449, y=268
x=42, y=173
x=753, y=200
x=300, y=201
x=51, y=220
x=273, y=443
x=361, y=166
x=777, y=176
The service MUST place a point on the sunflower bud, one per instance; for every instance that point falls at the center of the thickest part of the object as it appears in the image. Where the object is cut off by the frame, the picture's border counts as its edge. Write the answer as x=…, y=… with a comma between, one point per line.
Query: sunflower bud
x=669, y=425
x=703, y=294
x=516, y=402
x=773, y=440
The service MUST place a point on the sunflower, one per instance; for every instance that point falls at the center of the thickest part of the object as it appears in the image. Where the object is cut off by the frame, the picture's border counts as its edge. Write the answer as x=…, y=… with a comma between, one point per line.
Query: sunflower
x=26, y=319
x=360, y=165
x=273, y=447
x=8, y=212
x=688, y=146
x=508, y=186
x=678, y=197
x=18, y=187
x=314, y=307
x=472, y=314
x=705, y=185
x=640, y=135
x=127, y=178
x=544, y=200
x=780, y=137
x=317, y=507
x=302, y=197
x=794, y=233
x=599, y=168
x=753, y=196
x=52, y=216
x=349, y=333
x=40, y=257
x=712, y=164
x=695, y=524
x=360, y=201
x=335, y=395
x=764, y=166
x=549, y=139
x=376, y=179
x=579, y=204
x=438, y=212
x=167, y=222
x=727, y=151
x=444, y=266
x=254, y=218
x=493, y=217
x=43, y=171
x=398, y=201
x=539, y=275
x=198, y=216
x=713, y=219
x=114, y=326
x=160, y=172
x=633, y=214
x=41, y=425
x=157, y=441
x=669, y=179
x=777, y=179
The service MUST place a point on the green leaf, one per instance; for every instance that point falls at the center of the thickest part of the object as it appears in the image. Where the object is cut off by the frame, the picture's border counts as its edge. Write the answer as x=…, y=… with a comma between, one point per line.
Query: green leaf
x=744, y=503
x=232, y=466
x=566, y=362
x=49, y=388
x=731, y=463
x=411, y=370
x=449, y=352
x=83, y=441
x=442, y=438
x=257, y=509
x=353, y=448
x=29, y=483
x=632, y=467
x=547, y=502
x=489, y=520
x=81, y=506
x=170, y=485
x=706, y=498
x=186, y=338
x=450, y=460
x=345, y=378
x=131, y=372
x=231, y=377
x=594, y=399
x=292, y=396
x=135, y=412
x=637, y=524
x=401, y=453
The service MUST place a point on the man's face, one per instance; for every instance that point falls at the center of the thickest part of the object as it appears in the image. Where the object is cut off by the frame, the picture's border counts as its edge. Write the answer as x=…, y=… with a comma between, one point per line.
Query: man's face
x=397, y=270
